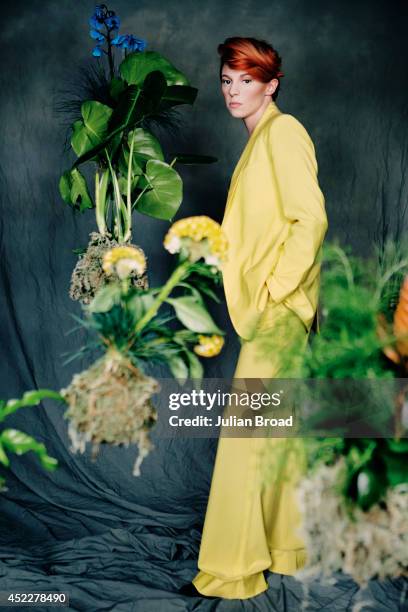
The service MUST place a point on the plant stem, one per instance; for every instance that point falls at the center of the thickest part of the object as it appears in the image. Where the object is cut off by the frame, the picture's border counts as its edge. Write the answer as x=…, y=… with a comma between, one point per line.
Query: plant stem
x=140, y=195
x=100, y=201
x=129, y=188
x=124, y=284
x=110, y=56
x=119, y=234
x=167, y=288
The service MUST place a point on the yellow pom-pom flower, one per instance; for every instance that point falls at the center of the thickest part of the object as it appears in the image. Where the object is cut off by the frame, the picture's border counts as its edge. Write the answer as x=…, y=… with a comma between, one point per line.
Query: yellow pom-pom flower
x=209, y=346
x=124, y=259
x=200, y=236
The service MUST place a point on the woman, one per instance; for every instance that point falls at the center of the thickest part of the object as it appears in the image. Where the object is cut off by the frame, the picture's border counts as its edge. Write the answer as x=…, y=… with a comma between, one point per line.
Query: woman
x=275, y=222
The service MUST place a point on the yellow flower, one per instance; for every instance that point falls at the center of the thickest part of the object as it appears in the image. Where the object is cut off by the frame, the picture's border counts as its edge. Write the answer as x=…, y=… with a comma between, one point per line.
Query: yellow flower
x=209, y=346
x=201, y=237
x=124, y=259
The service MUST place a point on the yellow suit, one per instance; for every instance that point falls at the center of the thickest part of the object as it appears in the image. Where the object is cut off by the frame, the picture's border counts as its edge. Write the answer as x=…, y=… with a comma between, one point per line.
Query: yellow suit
x=275, y=222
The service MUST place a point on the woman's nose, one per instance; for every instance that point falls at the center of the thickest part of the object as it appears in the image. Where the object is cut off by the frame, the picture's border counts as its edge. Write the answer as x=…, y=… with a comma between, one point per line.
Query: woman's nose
x=234, y=89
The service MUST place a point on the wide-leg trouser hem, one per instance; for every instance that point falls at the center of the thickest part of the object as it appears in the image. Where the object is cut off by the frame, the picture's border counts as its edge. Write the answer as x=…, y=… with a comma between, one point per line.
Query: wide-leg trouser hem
x=286, y=562
x=238, y=588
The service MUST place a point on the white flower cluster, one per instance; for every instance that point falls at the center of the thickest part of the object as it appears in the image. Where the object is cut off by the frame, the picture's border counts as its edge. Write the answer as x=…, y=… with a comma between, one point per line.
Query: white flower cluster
x=365, y=545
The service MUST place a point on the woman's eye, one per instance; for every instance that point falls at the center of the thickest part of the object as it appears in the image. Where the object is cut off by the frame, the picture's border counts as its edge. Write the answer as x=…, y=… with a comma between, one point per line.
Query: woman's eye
x=247, y=80
x=225, y=81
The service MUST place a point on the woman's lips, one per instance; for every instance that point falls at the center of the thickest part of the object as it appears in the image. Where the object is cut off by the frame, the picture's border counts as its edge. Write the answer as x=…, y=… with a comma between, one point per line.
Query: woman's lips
x=234, y=104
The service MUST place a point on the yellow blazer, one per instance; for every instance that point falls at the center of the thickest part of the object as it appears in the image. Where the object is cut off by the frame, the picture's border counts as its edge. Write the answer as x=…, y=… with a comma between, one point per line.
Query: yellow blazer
x=275, y=222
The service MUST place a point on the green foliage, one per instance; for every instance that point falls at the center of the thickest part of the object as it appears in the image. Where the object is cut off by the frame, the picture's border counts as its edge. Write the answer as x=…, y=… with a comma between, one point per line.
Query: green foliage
x=190, y=310
x=348, y=345
x=149, y=85
x=118, y=308
x=74, y=190
x=18, y=442
x=391, y=258
x=146, y=147
x=133, y=105
x=165, y=191
x=92, y=130
x=136, y=66
x=372, y=467
x=353, y=293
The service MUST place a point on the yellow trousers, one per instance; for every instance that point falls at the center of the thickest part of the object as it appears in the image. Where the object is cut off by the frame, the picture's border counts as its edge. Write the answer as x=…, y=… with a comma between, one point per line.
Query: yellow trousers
x=250, y=527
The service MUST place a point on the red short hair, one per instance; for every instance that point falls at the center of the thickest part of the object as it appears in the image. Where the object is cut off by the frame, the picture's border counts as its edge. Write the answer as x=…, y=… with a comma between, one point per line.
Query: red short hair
x=257, y=57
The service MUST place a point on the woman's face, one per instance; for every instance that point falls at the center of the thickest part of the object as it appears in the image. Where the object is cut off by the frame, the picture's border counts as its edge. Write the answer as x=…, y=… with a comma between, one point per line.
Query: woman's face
x=243, y=94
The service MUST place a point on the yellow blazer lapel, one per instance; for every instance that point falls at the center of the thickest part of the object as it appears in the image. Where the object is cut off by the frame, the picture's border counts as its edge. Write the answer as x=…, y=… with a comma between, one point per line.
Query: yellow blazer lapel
x=269, y=111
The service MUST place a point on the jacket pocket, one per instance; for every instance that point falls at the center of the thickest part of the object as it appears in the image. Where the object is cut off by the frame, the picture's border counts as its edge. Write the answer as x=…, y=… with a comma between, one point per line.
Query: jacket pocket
x=300, y=304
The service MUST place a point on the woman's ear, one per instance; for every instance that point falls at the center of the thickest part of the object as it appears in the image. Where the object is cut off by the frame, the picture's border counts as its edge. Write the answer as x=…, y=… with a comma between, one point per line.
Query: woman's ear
x=273, y=84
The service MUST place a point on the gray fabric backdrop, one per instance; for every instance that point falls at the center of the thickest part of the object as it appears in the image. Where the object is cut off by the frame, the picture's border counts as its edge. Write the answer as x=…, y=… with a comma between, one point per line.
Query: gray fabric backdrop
x=115, y=542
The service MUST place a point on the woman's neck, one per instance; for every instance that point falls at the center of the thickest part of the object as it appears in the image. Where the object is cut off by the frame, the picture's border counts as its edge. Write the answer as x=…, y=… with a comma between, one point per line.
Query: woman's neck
x=252, y=120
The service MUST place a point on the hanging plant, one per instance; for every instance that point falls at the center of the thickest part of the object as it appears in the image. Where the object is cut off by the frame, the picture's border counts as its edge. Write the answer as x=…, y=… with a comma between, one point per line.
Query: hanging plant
x=111, y=401
x=131, y=172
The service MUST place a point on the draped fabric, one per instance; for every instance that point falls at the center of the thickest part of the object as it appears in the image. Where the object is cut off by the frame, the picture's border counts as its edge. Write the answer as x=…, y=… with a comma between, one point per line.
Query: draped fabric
x=119, y=543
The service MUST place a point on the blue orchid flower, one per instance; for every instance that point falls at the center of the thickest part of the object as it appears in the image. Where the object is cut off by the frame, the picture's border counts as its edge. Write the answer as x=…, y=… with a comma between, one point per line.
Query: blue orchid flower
x=97, y=51
x=98, y=18
x=104, y=17
x=129, y=42
x=97, y=35
x=103, y=22
x=119, y=40
x=113, y=22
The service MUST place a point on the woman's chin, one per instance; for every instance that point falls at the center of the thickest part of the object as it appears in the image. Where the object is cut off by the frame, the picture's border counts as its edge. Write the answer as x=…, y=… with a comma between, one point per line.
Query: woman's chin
x=237, y=111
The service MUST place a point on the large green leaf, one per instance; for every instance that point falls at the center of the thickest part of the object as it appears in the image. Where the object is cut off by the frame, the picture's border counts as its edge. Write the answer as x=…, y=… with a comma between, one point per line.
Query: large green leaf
x=146, y=146
x=125, y=109
x=123, y=163
x=136, y=66
x=134, y=104
x=74, y=190
x=19, y=443
x=194, y=315
x=64, y=186
x=166, y=193
x=93, y=129
x=31, y=398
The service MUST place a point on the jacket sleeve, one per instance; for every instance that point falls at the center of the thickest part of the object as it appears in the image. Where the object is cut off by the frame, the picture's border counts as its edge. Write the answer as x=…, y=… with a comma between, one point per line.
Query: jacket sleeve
x=295, y=167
